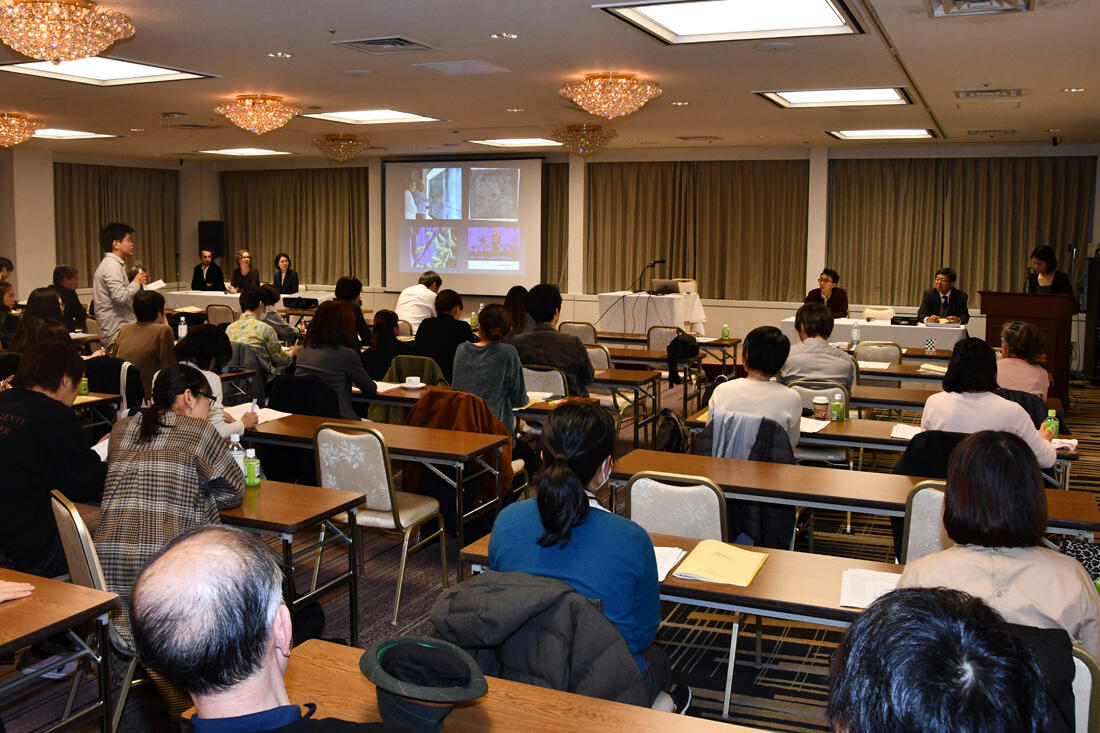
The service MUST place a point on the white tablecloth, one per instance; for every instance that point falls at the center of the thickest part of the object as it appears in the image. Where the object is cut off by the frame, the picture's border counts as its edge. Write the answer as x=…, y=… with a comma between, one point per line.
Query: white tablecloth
x=915, y=337
x=638, y=311
x=201, y=299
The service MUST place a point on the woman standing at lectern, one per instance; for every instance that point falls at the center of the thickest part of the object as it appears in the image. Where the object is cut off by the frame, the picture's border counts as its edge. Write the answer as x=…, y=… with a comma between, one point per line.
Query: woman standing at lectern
x=1045, y=277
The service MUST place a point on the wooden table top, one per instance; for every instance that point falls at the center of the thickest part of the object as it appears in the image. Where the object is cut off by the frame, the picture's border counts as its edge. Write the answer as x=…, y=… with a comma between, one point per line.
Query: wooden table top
x=645, y=356
x=276, y=506
x=96, y=399
x=862, y=490
x=51, y=608
x=641, y=338
x=400, y=439
x=236, y=374
x=625, y=377
x=901, y=371
x=328, y=674
x=788, y=582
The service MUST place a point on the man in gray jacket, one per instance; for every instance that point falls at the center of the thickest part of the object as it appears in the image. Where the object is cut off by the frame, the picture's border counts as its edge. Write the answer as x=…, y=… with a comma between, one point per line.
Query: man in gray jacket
x=111, y=293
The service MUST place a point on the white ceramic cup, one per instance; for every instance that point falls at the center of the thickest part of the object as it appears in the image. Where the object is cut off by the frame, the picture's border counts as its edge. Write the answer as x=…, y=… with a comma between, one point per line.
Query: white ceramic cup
x=412, y=381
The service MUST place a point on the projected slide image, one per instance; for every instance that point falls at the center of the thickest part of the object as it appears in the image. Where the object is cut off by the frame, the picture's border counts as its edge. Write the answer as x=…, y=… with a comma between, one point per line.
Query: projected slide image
x=494, y=194
x=434, y=193
x=493, y=248
x=432, y=248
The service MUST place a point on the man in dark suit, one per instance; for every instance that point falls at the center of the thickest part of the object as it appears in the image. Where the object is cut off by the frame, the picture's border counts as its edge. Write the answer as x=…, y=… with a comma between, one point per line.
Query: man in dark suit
x=943, y=303
x=439, y=337
x=208, y=276
x=66, y=280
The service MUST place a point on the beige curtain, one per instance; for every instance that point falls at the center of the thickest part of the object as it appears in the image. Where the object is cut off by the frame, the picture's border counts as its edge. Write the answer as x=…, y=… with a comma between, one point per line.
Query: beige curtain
x=637, y=213
x=751, y=228
x=997, y=210
x=316, y=215
x=885, y=227
x=88, y=197
x=555, y=224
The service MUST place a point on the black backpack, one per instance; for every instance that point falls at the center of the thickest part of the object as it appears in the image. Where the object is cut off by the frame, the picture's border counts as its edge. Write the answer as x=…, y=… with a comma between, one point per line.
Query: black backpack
x=684, y=346
x=672, y=433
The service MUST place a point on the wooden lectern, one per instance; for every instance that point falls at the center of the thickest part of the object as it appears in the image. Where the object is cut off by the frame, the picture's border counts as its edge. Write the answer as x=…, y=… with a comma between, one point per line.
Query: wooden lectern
x=1050, y=313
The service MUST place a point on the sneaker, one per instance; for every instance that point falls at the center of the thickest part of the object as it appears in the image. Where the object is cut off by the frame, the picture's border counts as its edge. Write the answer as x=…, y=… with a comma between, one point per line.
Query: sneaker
x=58, y=671
x=681, y=699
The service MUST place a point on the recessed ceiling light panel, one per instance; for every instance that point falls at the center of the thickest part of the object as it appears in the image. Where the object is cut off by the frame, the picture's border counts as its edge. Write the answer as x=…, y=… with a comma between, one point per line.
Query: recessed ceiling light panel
x=869, y=97
x=102, y=72
x=504, y=36
x=372, y=117
x=244, y=152
x=894, y=134
x=56, y=134
x=702, y=21
x=518, y=142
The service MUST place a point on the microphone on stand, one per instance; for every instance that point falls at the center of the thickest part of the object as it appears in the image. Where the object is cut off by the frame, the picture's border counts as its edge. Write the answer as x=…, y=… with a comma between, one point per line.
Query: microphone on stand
x=1027, y=278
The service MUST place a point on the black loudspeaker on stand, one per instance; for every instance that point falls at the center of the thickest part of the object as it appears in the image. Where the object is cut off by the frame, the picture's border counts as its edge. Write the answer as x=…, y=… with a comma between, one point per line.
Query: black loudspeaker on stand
x=212, y=237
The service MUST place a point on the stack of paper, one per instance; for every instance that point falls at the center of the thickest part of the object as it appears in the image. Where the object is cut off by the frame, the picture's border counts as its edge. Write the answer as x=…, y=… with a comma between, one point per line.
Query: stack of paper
x=1064, y=443
x=809, y=425
x=860, y=588
x=155, y=285
x=667, y=557
x=264, y=414
x=717, y=562
x=904, y=431
x=874, y=364
x=385, y=386
x=705, y=339
x=932, y=368
x=189, y=309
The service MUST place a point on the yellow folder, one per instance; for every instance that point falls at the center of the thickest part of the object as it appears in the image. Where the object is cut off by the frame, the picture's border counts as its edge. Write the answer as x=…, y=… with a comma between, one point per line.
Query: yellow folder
x=717, y=562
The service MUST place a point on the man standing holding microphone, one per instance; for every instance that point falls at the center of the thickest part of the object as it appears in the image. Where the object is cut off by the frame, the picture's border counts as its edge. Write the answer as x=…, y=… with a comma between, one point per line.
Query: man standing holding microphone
x=112, y=295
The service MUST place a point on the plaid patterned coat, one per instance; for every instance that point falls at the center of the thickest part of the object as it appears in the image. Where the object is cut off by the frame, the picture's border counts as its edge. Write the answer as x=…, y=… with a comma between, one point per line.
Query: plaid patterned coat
x=157, y=490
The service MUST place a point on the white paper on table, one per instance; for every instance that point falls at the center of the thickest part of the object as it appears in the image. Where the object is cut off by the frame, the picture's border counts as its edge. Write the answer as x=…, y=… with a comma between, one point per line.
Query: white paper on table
x=387, y=386
x=860, y=588
x=842, y=345
x=874, y=365
x=904, y=431
x=100, y=449
x=667, y=559
x=809, y=425
x=263, y=414
x=154, y=285
x=706, y=339
x=1067, y=443
x=189, y=309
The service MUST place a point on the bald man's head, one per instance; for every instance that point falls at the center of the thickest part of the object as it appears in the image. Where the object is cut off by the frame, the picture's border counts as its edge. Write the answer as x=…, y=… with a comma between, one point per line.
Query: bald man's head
x=202, y=610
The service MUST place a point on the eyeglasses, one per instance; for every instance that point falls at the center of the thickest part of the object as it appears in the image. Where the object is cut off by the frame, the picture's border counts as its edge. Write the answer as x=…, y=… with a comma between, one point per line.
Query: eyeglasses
x=825, y=280
x=207, y=396
x=942, y=279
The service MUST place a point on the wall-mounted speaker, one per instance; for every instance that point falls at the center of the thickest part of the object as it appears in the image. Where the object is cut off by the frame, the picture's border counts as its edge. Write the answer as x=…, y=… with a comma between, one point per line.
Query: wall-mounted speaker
x=212, y=237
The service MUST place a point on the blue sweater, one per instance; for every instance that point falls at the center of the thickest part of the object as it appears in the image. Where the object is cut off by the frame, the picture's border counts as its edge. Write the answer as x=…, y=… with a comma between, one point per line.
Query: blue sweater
x=608, y=557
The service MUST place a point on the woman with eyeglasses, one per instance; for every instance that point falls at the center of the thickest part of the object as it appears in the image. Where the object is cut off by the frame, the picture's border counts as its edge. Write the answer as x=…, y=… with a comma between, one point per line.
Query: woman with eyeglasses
x=245, y=276
x=168, y=470
x=827, y=293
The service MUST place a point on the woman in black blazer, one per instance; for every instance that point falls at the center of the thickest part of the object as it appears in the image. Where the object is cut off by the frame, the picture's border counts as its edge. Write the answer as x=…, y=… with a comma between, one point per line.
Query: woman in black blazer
x=286, y=280
x=1044, y=276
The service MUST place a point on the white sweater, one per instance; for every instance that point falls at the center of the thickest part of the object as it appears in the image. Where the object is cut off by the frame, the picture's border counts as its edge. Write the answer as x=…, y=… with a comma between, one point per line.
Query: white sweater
x=970, y=412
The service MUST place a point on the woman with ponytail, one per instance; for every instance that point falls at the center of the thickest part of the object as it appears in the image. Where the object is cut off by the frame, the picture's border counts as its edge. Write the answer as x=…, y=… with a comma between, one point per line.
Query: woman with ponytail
x=168, y=470
x=566, y=534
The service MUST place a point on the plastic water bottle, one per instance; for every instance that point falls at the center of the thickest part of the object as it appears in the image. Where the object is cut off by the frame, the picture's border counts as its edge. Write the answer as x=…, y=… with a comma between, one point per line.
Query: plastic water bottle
x=83, y=386
x=836, y=407
x=237, y=451
x=251, y=468
x=1051, y=423
x=725, y=332
x=855, y=335
x=181, y=331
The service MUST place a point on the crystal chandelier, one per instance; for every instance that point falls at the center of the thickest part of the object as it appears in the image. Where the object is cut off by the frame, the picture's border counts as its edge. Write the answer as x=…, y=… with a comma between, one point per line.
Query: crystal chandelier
x=610, y=94
x=15, y=129
x=258, y=113
x=341, y=148
x=582, y=139
x=61, y=30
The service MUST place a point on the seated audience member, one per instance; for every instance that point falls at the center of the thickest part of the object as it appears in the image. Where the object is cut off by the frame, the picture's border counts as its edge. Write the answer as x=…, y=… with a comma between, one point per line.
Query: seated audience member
x=350, y=290
x=943, y=303
x=42, y=447
x=286, y=279
x=209, y=617
x=6, y=268
x=9, y=322
x=995, y=510
x=245, y=276
x=828, y=294
x=330, y=354
x=438, y=338
x=813, y=357
x=42, y=321
x=1045, y=277
x=565, y=534
x=936, y=661
x=147, y=344
x=273, y=317
x=384, y=345
x=1018, y=368
x=515, y=309
x=249, y=329
x=545, y=346
x=66, y=280
x=416, y=303
x=490, y=368
x=168, y=470
x=968, y=404
x=765, y=351
x=207, y=349
x=208, y=275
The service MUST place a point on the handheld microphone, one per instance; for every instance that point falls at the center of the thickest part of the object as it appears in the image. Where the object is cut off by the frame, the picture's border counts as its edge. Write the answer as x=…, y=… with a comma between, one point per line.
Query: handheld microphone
x=657, y=262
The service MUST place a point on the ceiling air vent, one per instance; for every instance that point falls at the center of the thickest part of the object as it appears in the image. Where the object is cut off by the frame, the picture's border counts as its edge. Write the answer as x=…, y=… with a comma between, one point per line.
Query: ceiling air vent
x=949, y=8
x=380, y=46
x=698, y=138
x=193, y=126
x=990, y=133
x=987, y=93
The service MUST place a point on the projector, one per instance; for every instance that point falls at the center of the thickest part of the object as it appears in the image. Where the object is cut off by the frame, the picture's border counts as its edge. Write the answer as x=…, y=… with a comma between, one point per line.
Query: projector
x=301, y=304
